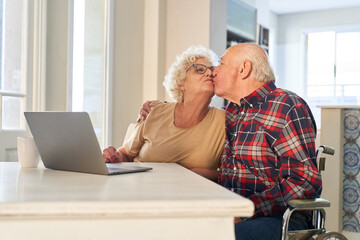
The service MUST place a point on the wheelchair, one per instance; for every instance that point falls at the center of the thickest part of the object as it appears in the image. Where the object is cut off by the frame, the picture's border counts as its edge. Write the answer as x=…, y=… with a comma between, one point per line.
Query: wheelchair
x=316, y=205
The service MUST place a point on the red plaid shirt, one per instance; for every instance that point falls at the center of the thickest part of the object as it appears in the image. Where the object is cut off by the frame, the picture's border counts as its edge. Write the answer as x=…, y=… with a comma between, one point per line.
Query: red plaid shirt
x=269, y=154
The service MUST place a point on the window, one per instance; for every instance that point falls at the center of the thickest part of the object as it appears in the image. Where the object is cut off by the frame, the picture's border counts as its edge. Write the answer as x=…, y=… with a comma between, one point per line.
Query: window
x=22, y=69
x=91, y=62
x=12, y=87
x=13, y=80
x=333, y=73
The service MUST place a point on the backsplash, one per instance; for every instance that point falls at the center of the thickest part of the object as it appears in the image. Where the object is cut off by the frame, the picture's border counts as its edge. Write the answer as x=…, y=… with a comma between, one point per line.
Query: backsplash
x=351, y=187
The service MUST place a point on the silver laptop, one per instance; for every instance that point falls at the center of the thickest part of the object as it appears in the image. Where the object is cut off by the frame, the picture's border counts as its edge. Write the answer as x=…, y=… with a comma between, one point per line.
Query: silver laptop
x=67, y=141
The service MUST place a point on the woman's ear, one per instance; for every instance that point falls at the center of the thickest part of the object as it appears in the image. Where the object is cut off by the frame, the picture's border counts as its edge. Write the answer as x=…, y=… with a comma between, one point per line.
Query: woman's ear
x=245, y=69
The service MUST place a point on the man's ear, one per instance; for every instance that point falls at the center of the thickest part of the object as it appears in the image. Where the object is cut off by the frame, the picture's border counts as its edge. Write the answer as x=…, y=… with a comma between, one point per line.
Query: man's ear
x=245, y=69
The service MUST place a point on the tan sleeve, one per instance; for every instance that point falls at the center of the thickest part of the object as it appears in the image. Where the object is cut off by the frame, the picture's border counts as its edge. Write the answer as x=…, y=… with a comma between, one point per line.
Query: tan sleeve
x=136, y=140
x=134, y=143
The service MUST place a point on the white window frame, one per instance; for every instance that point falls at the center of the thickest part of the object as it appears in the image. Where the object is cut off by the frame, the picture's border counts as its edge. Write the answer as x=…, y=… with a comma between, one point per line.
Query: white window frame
x=38, y=54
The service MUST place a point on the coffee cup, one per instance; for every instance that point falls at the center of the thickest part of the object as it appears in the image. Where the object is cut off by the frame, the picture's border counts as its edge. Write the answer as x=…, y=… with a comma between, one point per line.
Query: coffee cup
x=28, y=155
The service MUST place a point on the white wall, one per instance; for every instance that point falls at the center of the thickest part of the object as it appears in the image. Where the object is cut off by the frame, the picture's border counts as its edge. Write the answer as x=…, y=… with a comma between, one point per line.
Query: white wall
x=187, y=23
x=56, y=55
x=154, y=49
x=218, y=16
x=128, y=65
x=268, y=19
x=201, y=22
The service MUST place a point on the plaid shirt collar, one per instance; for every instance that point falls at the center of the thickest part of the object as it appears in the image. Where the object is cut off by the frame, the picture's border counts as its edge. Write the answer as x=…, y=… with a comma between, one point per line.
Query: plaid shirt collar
x=253, y=98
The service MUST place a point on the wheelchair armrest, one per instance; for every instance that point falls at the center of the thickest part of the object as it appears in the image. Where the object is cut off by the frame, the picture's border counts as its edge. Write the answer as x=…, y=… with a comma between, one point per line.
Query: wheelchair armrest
x=309, y=203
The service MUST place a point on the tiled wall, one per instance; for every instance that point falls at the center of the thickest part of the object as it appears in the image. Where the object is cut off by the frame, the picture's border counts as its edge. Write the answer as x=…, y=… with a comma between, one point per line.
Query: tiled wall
x=351, y=188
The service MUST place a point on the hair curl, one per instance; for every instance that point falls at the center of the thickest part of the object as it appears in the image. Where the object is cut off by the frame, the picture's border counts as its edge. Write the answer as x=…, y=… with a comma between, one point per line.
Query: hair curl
x=177, y=71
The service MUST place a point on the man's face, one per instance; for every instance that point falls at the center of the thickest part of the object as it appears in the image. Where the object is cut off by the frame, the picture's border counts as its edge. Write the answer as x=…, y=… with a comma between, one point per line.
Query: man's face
x=225, y=75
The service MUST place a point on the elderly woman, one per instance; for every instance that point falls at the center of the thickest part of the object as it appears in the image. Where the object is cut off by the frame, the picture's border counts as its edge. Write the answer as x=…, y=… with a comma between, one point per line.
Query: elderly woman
x=188, y=131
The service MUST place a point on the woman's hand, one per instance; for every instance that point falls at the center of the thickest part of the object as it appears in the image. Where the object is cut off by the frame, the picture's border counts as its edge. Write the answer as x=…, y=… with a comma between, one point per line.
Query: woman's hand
x=145, y=109
x=111, y=155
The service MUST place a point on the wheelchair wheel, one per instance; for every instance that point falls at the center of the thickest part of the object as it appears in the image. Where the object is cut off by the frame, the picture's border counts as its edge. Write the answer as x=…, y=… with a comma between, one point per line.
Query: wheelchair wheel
x=331, y=236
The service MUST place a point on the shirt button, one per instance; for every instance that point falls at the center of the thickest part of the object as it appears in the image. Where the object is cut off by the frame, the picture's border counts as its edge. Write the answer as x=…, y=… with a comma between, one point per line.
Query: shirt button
x=234, y=156
x=235, y=134
x=234, y=168
x=251, y=105
x=242, y=113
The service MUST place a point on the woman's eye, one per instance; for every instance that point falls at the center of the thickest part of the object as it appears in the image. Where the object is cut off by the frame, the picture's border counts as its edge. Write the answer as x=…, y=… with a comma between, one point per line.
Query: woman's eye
x=200, y=69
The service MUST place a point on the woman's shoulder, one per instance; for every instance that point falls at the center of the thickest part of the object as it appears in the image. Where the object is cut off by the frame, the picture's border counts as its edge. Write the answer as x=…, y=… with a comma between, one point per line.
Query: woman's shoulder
x=163, y=106
x=218, y=112
x=161, y=110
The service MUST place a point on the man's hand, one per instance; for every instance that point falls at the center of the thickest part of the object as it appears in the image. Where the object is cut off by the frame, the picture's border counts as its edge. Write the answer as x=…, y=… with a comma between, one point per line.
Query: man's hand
x=207, y=173
x=145, y=109
x=111, y=155
x=237, y=220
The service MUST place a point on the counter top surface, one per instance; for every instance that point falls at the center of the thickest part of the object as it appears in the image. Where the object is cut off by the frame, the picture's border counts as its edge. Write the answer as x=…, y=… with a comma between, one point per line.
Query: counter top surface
x=339, y=106
x=167, y=189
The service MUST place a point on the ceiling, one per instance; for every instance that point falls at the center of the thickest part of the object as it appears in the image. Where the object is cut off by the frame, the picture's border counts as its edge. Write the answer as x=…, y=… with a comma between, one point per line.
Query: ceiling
x=293, y=6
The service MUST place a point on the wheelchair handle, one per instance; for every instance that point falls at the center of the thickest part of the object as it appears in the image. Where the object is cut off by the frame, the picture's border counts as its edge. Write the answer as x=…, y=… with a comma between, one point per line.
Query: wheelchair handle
x=327, y=149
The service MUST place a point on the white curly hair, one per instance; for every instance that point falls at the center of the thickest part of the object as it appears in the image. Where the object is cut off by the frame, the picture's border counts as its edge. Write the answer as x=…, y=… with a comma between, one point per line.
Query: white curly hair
x=177, y=71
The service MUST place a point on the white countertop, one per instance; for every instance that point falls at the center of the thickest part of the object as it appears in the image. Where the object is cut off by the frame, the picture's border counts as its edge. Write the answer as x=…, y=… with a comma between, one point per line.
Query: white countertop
x=339, y=106
x=167, y=190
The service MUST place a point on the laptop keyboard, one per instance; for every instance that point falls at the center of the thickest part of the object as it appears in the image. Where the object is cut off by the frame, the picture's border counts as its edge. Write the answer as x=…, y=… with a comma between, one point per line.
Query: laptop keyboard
x=126, y=169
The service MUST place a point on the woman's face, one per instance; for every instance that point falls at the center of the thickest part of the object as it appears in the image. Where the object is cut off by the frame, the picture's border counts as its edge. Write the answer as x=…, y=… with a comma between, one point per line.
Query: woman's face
x=199, y=79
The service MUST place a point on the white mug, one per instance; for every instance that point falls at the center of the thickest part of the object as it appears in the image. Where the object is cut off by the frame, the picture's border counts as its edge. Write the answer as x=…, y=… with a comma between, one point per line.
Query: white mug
x=28, y=154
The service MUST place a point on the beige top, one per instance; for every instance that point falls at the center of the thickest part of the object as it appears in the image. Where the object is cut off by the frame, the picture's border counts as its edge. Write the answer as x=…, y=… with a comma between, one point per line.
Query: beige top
x=157, y=139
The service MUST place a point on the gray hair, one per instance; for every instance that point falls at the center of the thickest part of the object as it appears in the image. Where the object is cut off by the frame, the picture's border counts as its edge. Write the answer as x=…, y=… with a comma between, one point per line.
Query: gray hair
x=260, y=61
x=177, y=71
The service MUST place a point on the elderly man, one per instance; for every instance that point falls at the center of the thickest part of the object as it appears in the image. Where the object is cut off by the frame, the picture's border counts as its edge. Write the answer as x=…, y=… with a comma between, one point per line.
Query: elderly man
x=269, y=154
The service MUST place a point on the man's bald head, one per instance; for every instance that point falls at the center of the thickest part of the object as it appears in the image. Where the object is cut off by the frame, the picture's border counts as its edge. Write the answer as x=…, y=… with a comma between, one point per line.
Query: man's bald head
x=261, y=69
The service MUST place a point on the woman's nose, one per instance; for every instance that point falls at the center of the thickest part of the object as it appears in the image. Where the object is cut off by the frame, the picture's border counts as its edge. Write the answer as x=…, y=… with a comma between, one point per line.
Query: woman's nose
x=208, y=72
x=214, y=72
